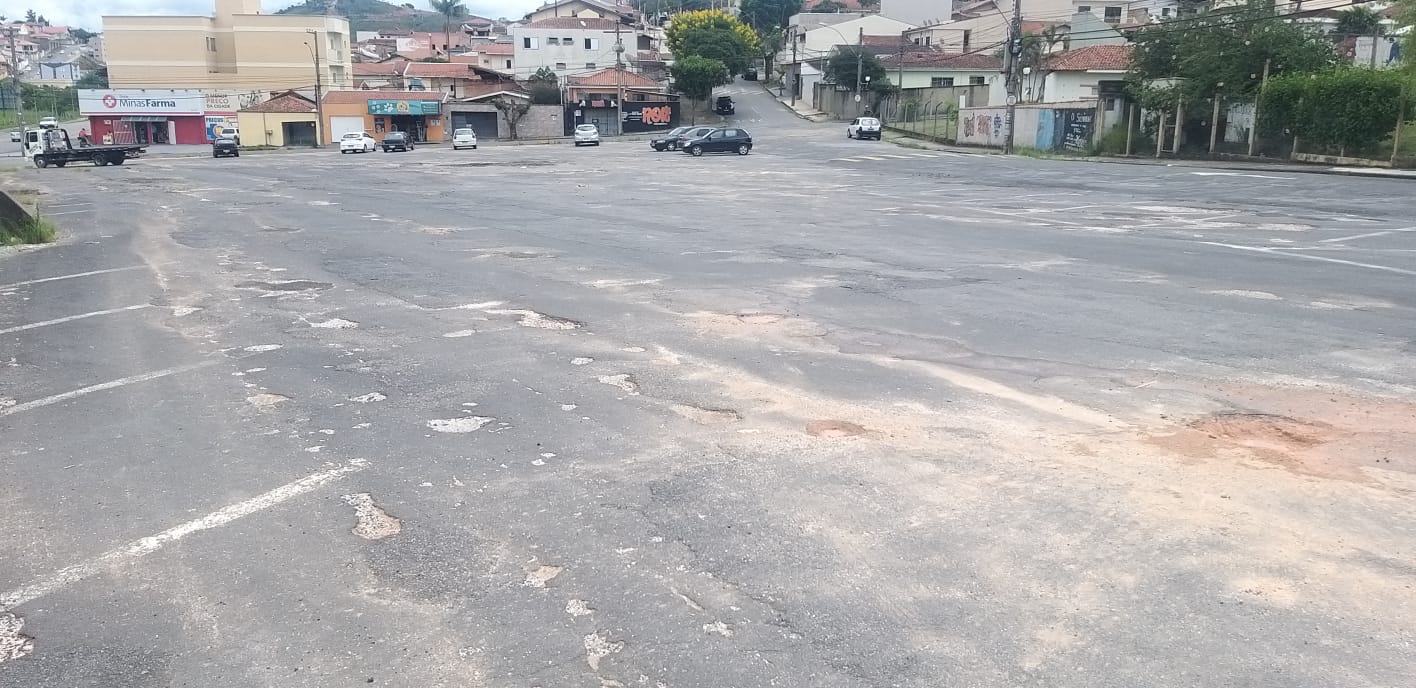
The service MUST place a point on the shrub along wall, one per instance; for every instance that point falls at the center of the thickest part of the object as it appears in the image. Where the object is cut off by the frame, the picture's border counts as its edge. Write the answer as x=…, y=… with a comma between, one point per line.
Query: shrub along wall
x=1352, y=109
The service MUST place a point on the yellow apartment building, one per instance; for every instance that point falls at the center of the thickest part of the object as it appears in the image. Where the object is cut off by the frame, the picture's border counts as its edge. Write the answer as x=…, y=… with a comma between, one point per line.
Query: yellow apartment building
x=235, y=50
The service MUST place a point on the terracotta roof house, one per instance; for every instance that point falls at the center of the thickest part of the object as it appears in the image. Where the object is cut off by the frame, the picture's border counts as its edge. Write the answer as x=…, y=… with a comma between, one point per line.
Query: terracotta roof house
x=937, y=69
x=1110, y=58
x=590, y=23
x=606, y=82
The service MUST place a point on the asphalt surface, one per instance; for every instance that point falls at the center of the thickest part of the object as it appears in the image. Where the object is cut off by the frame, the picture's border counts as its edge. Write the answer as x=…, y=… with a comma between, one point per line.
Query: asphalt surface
x=834, y=413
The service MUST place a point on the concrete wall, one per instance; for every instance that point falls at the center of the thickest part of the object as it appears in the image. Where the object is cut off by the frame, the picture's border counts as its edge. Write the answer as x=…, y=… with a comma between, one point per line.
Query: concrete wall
x=917, y=12
x=923, y=77
x=265, y=128
x=540, y=122
x=1066, y=87
x=1040, y=127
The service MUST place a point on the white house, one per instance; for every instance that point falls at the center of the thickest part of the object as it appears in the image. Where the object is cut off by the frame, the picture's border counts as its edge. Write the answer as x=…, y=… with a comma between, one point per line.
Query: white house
x=568, y=46
x=812, y=37
x=1090, y=73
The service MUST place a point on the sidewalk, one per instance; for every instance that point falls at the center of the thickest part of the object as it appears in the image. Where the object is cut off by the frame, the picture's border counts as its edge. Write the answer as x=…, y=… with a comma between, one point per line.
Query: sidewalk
x=1265, y=167
x=802, y=108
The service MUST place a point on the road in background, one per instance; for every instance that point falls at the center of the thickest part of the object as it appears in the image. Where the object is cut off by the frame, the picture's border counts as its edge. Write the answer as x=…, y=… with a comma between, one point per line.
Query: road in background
x=834, y=413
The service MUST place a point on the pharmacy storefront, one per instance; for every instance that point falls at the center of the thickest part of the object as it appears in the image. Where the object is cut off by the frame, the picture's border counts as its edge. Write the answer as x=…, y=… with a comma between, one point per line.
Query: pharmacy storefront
x=145, y=116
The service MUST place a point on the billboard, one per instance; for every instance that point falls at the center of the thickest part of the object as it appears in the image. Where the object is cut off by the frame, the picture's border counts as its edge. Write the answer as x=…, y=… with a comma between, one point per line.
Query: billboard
x=640, y=117
x=141, y=102
x=405, y=107
x=216, y=125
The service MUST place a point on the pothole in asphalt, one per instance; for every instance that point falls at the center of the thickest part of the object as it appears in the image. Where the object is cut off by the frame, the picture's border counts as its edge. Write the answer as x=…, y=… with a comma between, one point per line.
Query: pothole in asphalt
x=459, y=425
x=266, y=399
x=285, y=285
x=1305, y=447
x=13, y=644
x=707, y=416
x=834, y=428
x=760, y=318
x=541, y=576
x=1261, y=430
x=623, y=381
x=371, y=521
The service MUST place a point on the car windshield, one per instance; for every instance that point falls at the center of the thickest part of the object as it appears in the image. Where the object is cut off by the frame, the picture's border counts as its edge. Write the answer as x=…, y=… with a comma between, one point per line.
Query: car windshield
x=394, y=135
x=463, y=132
x=585, y=127
x=353, y=135
x=677, y=130
x=869, y=122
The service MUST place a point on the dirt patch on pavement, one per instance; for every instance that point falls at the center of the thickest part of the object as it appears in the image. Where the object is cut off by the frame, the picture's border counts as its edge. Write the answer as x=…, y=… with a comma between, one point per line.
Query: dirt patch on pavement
x=834, y=428
x=707, y=416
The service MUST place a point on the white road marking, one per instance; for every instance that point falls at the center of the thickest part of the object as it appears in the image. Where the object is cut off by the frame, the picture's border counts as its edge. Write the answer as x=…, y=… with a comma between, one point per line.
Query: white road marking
x=1238, y=174
x=870, y=157
x=47, y=401
x=64, y=277
x=1368, y=235
x=1289, y=254
x=144, y=546
x=924, y=155
x=68, y=212
x=81, y=316
x=897, y=157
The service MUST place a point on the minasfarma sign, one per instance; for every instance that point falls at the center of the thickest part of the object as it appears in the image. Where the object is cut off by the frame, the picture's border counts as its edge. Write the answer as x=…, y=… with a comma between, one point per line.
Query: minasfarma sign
x=141, y=102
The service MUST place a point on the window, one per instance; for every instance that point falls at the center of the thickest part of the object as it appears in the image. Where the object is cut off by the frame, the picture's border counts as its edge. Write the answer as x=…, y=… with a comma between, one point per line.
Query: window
x=1084, y=8
x=560, y=66
x=553, y=41
x=927, y=39
x=592, y=44
x=941, y=81
x=976, y=81
x=968, y=36
x=1113, y=14
x=589, y=65
x=211, y=44
x=508, y=64
x=916, y=41
x=568, y=42
x=531, y=43
x=1164, y=12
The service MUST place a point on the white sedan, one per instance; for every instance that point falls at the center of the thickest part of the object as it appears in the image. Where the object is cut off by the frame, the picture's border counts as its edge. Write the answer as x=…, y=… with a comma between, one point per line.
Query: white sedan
x=357, y=142
x=464, y=138
x=586, y=135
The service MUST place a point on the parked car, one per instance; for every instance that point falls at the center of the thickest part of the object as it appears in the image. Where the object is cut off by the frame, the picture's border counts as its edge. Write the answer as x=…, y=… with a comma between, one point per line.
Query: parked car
x=14, y=137
x=587, y=135
x=357, y=142
x=397, y=140
x=225, y=146
x=669, y=141
x=48, y=122
x=725, y=140
x=675, y=142
x=750, y=74
x=724, y=105
x=863, y=128
x=464, y=138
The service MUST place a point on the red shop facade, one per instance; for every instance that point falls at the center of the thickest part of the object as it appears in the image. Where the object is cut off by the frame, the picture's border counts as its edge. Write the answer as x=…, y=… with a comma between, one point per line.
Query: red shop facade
x=144, y=116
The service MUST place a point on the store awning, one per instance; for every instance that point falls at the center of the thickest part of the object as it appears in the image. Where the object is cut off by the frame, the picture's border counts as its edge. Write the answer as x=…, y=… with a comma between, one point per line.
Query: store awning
x=144, y=118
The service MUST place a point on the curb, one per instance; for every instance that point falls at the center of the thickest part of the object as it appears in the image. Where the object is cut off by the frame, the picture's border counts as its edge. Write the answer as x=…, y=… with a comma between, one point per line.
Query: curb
x=791, y=109
x=1375, y=173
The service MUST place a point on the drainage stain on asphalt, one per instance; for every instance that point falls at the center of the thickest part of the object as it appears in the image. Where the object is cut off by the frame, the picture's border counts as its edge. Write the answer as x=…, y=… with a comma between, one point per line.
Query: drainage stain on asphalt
x=285, y=285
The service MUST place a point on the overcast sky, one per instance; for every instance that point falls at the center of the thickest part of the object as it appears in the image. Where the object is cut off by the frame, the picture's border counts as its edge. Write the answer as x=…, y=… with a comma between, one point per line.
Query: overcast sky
x=86, y=13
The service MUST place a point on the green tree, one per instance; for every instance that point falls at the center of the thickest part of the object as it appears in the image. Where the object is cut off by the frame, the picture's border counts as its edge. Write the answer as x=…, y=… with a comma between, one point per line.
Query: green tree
x=696, y=77
x=763, y=15
x=512, y=109
x=544, y=75
x=83, y=35
x=1350, y=108
x=721, y=44
x=97, y=78
x=450, y=10
x=829, y=6
x=689, y=22
x=1197, y=56
x=842, y=66
x=30, y=16
x=1358, y=21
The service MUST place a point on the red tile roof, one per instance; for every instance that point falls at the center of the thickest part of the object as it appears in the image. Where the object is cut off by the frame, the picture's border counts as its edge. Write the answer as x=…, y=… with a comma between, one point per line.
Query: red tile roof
x=445, y=70
x=358, y=97
x=288, y=102
x=894, y=41
x=939, y=60
x=1037, y=27
x=415, y=54
x=475, y=91
x=496, y=49
x=574, y=23
x=608, y=77
x=379, y=68
x=1092, y=57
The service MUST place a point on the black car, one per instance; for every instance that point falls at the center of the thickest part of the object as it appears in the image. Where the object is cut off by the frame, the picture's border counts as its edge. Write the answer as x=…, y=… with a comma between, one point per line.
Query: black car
x=225, y=146
x=724, y=105
x=675, y=141
x=397, y=140
x=750, y=74
x=725, y=140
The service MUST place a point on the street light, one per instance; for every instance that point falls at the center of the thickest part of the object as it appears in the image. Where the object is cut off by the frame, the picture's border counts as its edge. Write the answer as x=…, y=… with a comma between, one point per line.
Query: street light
x=314, y=45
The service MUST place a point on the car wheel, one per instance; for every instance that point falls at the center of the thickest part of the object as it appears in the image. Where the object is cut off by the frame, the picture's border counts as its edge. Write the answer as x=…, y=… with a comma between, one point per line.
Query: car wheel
x=696, y=151
x=237, y=154
x=60, y=163
x=848, y=134
x=99, y=160
x=40, y=162
x=215, y=155
x=474, y=148
x=673, y=146
x=743, y=149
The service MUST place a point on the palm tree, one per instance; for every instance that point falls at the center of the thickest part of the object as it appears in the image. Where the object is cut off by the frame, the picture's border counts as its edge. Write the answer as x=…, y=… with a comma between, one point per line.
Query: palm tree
x=1358, y=21
x=450, y=10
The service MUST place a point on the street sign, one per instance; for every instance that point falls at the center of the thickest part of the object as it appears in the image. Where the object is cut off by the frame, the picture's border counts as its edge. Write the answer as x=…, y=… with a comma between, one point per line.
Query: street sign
x=857, y=97
x=1012, y=99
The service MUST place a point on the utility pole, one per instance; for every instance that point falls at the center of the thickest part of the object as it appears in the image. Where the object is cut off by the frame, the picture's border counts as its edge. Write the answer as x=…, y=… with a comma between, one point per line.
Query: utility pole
x=1015, y=76
x=319, y=87
x=860, y=67
x=796, y=70
x=19, y=96
x=619, y=81
x=1254, y=125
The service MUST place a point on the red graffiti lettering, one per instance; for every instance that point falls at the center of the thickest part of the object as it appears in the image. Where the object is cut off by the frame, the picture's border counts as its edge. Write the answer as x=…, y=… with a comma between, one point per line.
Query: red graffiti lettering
x=657, y=115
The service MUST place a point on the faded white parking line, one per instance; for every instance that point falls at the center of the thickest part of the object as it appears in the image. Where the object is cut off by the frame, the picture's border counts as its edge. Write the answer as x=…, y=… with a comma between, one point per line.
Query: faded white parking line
x=120, y=382
x=897, y=157
x=71, y=318
x=144, y=546
x=1324, y=259
x=90, y=273
x=68, y=212
x=870, y=157
x=1368, y=235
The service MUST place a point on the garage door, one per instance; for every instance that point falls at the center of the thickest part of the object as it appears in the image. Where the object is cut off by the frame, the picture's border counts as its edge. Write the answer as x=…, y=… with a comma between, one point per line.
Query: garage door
x=484, y=123
x=339, y=126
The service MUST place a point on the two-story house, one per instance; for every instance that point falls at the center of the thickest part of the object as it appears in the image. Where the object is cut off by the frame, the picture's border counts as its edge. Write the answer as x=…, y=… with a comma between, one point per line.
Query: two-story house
x=569, y=46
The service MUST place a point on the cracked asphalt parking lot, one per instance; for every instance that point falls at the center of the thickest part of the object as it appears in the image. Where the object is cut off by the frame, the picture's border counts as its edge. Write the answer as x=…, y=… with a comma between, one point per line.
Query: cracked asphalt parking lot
x=546, y=416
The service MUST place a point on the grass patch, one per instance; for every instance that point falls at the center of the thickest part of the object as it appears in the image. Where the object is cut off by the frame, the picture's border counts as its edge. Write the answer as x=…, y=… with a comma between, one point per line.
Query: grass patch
x=35, y=231
x=904, y=142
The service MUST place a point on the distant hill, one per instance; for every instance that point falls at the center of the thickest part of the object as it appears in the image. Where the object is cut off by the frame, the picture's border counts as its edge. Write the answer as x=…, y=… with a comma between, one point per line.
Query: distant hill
x=374, y=15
